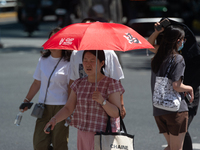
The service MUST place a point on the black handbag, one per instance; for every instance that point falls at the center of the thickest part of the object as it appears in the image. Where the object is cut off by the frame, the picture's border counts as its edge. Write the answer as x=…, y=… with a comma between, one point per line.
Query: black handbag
x=114, y=140
x=38, y=109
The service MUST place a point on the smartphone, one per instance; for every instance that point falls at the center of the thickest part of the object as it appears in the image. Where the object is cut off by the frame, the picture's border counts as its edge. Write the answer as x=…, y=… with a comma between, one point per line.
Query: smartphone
x=48, y=129
x=23, y=105
x=164, y=23
x=188, y=96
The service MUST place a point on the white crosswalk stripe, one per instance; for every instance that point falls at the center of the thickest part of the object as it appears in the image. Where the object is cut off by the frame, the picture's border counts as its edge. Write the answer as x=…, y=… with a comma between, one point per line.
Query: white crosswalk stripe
x=196, y=146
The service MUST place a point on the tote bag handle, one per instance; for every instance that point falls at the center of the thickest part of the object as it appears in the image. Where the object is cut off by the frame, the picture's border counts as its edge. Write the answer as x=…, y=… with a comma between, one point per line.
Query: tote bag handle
x=122, y=125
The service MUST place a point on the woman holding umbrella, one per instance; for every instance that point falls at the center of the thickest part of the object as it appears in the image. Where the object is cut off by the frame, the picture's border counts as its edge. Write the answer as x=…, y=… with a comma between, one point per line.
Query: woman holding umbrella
x=91, y=108
x=173, y=125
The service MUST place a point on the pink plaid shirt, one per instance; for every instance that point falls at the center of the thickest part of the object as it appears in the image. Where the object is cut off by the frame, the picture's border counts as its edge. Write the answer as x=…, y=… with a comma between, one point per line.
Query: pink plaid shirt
x=88, y=114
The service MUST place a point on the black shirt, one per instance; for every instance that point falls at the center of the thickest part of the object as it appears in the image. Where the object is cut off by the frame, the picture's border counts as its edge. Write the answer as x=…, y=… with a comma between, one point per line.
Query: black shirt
x=176, y=72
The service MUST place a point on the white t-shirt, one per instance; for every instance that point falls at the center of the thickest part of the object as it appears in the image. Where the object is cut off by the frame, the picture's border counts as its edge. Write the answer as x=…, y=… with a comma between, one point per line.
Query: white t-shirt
x=57, y=91
x=112, y=66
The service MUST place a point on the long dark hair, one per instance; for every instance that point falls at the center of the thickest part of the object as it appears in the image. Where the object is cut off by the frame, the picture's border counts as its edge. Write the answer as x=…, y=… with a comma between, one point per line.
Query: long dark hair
x=66, y=54
x=101, y=57
x=167, y=46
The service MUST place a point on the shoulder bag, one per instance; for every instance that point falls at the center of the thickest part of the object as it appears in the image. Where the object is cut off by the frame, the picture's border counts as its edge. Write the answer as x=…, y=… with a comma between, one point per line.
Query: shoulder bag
x=38, y=109
x=164, y=96
x=114, y=140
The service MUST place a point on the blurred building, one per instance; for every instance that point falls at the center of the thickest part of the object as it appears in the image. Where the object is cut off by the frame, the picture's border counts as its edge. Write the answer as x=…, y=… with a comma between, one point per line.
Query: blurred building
x=110, y=10
x=185, y=10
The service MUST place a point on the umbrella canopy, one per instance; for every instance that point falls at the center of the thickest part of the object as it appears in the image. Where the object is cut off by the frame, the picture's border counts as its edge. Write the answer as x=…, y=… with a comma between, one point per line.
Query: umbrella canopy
x=97, y=36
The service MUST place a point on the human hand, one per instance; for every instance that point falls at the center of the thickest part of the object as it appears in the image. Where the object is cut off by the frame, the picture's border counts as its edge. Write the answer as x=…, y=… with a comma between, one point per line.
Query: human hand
x=51, y=123
x=96, y=96
x=158, y=28
x=123, y=111
x=23, y=109
x=189, y=96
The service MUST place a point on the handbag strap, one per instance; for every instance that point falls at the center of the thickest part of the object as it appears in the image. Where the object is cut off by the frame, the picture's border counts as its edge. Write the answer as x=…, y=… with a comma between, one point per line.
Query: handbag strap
x=50, y=78
x=122, y=125
x=169, y=67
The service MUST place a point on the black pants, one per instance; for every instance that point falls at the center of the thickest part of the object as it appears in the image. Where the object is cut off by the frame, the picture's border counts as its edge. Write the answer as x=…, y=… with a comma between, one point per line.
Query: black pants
x=187, y=145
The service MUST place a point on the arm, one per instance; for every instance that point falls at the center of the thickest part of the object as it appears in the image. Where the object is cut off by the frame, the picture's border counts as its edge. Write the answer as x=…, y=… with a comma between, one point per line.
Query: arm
x=114, y=70
x=36, y=83
x=153, y=37
x=111, y=106
x=114, y=102
x=180, y=87
x=123, y=110
x=65, y=112
x=69, y=89
x=32, y=91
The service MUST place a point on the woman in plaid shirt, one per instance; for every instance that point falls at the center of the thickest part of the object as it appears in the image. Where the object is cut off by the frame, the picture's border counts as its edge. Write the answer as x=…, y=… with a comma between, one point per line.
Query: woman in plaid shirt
x=91, y=108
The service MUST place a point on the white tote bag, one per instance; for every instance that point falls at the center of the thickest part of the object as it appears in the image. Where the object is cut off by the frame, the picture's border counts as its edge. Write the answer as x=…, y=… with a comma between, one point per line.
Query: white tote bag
x=114, y=140
x=164, y=96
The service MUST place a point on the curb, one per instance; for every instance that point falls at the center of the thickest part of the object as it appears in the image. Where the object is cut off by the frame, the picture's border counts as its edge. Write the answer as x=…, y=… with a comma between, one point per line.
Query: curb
x=8, y=14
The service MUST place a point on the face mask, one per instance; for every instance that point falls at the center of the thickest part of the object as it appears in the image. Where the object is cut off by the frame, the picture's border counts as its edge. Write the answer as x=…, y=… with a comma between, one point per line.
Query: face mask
x=181, y=47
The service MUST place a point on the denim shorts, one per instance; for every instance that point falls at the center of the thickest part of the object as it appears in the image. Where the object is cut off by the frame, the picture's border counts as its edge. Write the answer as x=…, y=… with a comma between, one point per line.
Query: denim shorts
x=173, y=123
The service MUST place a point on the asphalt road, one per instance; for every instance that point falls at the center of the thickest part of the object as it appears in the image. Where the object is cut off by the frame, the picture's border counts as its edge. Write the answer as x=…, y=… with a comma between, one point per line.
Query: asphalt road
x=18, y=60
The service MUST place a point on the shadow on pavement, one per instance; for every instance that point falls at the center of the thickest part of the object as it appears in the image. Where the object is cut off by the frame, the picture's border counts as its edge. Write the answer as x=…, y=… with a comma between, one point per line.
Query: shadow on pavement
x=28, y=49
x=142, y=52
x=15, y=30
x=137, y=65
x=136, y=59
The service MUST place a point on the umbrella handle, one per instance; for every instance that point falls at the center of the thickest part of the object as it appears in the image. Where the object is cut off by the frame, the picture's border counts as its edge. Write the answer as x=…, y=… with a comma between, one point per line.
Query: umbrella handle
x=96, y=71
x=147, y=52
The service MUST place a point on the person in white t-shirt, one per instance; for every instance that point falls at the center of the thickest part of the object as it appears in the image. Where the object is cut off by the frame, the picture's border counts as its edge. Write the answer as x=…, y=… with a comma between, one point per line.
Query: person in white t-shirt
x=56, y=97
x=112, y=69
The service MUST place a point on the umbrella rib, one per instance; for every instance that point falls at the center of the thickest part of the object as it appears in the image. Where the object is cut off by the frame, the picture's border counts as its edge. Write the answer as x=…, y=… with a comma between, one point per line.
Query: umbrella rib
x=117, y=38
x=83, y=36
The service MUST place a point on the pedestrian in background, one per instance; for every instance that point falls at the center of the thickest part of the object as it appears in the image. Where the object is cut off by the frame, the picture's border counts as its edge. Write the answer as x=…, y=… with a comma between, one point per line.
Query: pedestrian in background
x=91, y=106
x=191, y=55
x=111, y=10
x=192, y=77
x=56, y=96
x=173, y=125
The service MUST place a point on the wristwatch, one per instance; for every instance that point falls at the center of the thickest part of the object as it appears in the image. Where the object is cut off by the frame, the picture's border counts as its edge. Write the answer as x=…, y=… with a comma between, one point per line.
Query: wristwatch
x=104, y=102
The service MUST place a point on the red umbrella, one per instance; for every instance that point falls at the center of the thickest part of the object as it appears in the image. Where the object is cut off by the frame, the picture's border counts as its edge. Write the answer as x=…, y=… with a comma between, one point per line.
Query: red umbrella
x=97, y=36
